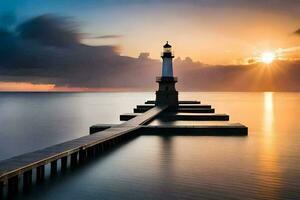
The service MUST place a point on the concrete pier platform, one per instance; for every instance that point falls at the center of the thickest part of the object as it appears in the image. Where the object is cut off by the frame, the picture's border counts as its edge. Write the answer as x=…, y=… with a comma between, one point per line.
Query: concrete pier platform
x=179, y=116
x=101, y=127
x=205, y=109
x=140, y=110
x=193, y=106
x=205, y=129
x=146, y=106
x=180, y=102
x=128, y=116
x=149, y=106
x=195, y=117
x=196, y=110
x=235, y=129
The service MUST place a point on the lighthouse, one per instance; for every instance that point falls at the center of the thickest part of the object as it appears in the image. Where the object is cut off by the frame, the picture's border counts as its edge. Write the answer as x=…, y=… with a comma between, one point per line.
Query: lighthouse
x=166, y=93
x=167, y=64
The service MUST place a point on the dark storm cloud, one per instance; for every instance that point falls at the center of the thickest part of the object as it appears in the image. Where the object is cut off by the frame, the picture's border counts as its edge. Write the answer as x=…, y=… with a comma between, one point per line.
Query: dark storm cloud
x=47, y=49
x=34, y=55
x=50, y=30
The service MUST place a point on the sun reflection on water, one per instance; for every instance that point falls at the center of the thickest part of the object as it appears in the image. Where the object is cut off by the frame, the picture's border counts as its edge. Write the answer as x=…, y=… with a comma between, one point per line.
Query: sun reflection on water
x=269, y=170
x=268, y=112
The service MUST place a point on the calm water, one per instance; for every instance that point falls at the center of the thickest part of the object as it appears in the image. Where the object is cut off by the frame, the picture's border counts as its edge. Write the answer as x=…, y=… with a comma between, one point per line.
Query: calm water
x=264, y=165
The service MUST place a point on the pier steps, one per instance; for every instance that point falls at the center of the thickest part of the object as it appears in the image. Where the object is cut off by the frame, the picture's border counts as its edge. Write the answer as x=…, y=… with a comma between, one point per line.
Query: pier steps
x=101, y=127
x=180, y=102
x=205, y=129
x=182, y=116
x=229, y=129
x=148, y=106
x=128, y=116
x=198, y=109
x=198, y=117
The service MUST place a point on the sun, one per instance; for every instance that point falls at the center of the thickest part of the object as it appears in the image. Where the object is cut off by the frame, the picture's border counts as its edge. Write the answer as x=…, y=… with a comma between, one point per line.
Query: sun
x=267, y=57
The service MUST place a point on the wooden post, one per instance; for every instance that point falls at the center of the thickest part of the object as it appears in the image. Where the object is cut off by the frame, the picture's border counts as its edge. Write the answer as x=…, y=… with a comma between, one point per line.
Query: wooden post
x=74, y=159
x=64, y=163
x=13, y=185
x=101, y=147
x=94, y=151
x=53, y=170
x=91, y=152
x=97, y=149
x=82, y=155
x=40, y=173
x=27, y=180
x=94, y=148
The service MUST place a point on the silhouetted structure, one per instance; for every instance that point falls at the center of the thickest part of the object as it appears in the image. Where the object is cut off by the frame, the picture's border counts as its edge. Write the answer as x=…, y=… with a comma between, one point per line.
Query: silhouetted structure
x=167, y=94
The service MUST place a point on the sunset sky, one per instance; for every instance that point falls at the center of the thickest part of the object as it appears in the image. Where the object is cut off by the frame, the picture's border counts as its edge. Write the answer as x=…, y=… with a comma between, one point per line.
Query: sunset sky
x=209, y=32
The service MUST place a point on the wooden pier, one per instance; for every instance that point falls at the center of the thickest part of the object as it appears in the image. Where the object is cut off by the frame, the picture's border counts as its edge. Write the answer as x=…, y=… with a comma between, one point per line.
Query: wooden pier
x=146, y=119
x=68, y=154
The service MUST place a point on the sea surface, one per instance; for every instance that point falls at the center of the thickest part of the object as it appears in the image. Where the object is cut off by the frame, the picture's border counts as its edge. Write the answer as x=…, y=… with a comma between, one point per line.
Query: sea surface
x=263, y=165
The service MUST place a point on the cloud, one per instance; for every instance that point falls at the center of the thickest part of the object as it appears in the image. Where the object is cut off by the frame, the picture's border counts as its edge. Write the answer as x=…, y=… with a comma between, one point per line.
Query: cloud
x=31, y=54
x=107, y=37
x=144, y=55
x=50, y=30
x=46, y=49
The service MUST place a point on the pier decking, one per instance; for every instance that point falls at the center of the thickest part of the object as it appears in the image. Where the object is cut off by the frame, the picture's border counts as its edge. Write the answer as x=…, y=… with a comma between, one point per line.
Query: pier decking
x=147, y=119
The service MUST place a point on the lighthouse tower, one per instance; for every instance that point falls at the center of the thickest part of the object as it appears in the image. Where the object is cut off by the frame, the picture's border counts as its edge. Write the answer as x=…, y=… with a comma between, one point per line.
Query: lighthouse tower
x=167, y=94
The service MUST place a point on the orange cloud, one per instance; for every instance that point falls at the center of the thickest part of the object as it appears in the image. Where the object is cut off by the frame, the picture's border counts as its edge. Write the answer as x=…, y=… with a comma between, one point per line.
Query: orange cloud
x=24, y=86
